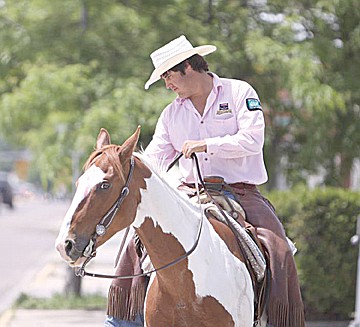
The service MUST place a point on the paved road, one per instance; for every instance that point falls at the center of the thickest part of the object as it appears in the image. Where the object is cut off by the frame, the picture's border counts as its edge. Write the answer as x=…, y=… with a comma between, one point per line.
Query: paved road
x=27, y=235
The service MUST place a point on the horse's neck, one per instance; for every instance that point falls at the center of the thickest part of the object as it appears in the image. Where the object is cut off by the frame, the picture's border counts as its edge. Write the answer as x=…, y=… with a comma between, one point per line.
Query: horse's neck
x=168, y=211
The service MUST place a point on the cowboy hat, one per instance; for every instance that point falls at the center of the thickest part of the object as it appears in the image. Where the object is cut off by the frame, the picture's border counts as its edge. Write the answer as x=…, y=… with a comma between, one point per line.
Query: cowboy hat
x=172, y=54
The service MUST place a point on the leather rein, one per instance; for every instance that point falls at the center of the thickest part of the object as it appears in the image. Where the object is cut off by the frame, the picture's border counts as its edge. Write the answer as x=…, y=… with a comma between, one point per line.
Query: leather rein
x=106, y=221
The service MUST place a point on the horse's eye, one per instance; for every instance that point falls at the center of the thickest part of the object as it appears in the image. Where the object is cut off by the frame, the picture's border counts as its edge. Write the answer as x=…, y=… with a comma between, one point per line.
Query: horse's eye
x=104, y=185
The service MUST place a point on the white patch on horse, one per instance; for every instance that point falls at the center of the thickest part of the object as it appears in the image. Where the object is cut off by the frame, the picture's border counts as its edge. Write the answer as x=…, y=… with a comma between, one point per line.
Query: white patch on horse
x=227, y=285
x=93, y=176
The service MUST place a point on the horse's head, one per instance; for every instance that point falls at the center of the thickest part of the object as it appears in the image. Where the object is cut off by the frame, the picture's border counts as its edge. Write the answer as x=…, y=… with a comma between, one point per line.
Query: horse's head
x=105, y=201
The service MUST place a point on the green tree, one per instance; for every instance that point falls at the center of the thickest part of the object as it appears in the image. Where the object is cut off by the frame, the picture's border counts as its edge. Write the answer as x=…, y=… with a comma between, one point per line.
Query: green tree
x=300, y=57
x=310, y=52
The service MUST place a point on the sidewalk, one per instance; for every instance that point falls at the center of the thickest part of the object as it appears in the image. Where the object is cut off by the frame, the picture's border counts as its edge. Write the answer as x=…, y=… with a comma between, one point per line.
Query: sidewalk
x=51, y=280
x=54, y=318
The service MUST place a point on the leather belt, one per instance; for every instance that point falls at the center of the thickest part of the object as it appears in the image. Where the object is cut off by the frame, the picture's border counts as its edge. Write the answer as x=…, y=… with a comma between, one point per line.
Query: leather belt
x=243, y=186
x=235, y=185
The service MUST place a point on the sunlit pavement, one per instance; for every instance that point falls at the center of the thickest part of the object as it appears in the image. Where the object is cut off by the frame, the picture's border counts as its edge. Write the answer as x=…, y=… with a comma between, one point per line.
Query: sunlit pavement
x=54, y=318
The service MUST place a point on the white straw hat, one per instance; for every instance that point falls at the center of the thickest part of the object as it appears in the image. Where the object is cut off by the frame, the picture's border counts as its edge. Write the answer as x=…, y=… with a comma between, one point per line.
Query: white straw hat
x=172, y=54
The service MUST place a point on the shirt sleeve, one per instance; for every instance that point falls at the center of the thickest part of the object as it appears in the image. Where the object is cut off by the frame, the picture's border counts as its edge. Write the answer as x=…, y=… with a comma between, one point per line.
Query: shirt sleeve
x=160, y=150
x=249, y=139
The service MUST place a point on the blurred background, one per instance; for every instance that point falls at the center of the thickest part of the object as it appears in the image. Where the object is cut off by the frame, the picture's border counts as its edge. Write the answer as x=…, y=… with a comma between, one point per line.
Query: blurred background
x=70, y=67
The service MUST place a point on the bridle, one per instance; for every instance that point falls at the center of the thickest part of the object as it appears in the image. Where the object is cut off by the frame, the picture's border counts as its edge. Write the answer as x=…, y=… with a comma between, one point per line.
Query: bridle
x=105, y=223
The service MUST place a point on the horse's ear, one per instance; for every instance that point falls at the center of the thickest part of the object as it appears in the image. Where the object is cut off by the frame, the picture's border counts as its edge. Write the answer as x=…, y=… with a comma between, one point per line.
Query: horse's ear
x=103, y=139
x=129, y=145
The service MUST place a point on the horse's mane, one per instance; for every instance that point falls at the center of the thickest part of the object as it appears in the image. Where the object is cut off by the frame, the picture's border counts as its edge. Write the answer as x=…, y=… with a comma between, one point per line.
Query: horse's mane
x=169, y=181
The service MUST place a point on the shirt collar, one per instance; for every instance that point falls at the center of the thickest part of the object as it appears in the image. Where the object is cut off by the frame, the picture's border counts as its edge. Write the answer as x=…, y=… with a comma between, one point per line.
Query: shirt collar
x=217, y=85
x=180, y=100
x=216, y=82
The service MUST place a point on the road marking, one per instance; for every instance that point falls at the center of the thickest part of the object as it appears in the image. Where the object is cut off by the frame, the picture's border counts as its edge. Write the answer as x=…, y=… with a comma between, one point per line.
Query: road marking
x=6, y=317
x=44, y=273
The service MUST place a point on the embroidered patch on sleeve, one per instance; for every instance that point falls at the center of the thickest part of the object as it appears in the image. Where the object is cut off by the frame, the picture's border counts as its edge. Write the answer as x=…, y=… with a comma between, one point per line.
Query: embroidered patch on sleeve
x=253, y=104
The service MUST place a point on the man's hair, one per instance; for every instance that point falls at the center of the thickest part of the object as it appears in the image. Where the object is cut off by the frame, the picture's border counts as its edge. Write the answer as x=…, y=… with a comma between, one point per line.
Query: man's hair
x=197, y=62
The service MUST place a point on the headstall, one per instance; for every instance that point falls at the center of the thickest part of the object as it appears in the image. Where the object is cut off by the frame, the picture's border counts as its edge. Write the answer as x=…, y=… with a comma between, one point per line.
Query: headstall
x=104, y=224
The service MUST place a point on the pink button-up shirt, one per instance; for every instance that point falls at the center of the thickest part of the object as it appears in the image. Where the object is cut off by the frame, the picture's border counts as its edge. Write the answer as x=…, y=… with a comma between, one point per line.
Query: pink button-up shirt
x=232, y=128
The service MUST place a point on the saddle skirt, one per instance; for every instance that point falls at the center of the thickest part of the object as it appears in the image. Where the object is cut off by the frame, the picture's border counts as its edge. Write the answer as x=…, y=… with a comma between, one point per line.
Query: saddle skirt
x=244, y=232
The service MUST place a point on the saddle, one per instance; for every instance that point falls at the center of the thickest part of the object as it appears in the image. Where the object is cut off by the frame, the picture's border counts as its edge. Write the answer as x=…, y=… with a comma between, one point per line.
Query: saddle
x=218, y=205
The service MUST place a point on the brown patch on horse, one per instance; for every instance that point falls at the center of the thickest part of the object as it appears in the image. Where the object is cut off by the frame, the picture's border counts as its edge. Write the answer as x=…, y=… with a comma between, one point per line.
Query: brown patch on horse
x=228, y=237
x=168, y=303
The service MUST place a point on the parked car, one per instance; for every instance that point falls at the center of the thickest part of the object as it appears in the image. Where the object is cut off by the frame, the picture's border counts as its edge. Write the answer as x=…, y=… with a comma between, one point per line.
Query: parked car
x=6, y=191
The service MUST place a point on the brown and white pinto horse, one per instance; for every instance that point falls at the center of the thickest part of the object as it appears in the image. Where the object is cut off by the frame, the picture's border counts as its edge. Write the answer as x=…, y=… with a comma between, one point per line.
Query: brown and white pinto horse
x=209, y=288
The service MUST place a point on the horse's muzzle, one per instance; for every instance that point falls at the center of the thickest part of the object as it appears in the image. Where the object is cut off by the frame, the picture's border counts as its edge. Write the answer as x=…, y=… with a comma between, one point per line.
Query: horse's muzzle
x=74, y=250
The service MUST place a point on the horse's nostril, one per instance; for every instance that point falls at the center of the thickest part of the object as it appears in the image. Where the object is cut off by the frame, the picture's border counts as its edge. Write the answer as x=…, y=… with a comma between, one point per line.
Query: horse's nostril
x=71, y=249
x=69, y=244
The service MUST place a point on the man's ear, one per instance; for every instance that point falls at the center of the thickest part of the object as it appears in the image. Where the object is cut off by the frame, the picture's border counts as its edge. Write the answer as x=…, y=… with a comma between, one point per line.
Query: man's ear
x=188, y=67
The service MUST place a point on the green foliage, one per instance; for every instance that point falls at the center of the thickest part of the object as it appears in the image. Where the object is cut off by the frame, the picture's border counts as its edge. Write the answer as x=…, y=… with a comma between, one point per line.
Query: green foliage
x=321, y=223
x=68, y=68
x=120, y=112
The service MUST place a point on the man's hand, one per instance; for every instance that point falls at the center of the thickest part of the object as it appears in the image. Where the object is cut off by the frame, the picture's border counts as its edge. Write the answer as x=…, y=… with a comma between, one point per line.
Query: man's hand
x=190, y=147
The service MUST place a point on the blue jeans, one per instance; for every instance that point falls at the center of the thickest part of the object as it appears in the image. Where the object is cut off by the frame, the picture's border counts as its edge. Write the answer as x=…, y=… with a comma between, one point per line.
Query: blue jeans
x=229, y=195
x=111, y=321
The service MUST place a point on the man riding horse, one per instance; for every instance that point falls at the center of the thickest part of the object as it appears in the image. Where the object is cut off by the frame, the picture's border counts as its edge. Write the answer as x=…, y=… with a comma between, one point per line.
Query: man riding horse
x=221, y=120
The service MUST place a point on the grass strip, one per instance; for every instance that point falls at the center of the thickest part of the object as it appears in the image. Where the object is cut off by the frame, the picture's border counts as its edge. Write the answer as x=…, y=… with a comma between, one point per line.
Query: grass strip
x=62, y=302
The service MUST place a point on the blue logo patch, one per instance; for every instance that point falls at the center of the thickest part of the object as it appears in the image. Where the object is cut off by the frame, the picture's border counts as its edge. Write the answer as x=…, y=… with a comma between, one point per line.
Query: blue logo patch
x=253, y=104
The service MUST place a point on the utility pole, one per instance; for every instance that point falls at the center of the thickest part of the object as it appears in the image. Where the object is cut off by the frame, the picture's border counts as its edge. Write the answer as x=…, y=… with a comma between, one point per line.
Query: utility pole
x=355, y=240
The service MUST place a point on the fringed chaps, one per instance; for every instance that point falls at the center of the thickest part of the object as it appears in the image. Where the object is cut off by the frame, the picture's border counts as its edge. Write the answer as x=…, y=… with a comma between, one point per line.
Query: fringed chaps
x=285, y=307
x=126, y=296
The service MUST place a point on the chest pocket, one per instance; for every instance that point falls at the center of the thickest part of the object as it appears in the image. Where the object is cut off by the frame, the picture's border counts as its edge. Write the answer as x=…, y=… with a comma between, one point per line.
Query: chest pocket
x=222, y=125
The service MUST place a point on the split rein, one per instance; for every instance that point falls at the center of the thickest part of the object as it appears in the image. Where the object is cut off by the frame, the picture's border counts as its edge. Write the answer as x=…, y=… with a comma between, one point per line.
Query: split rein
x=105, y=222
